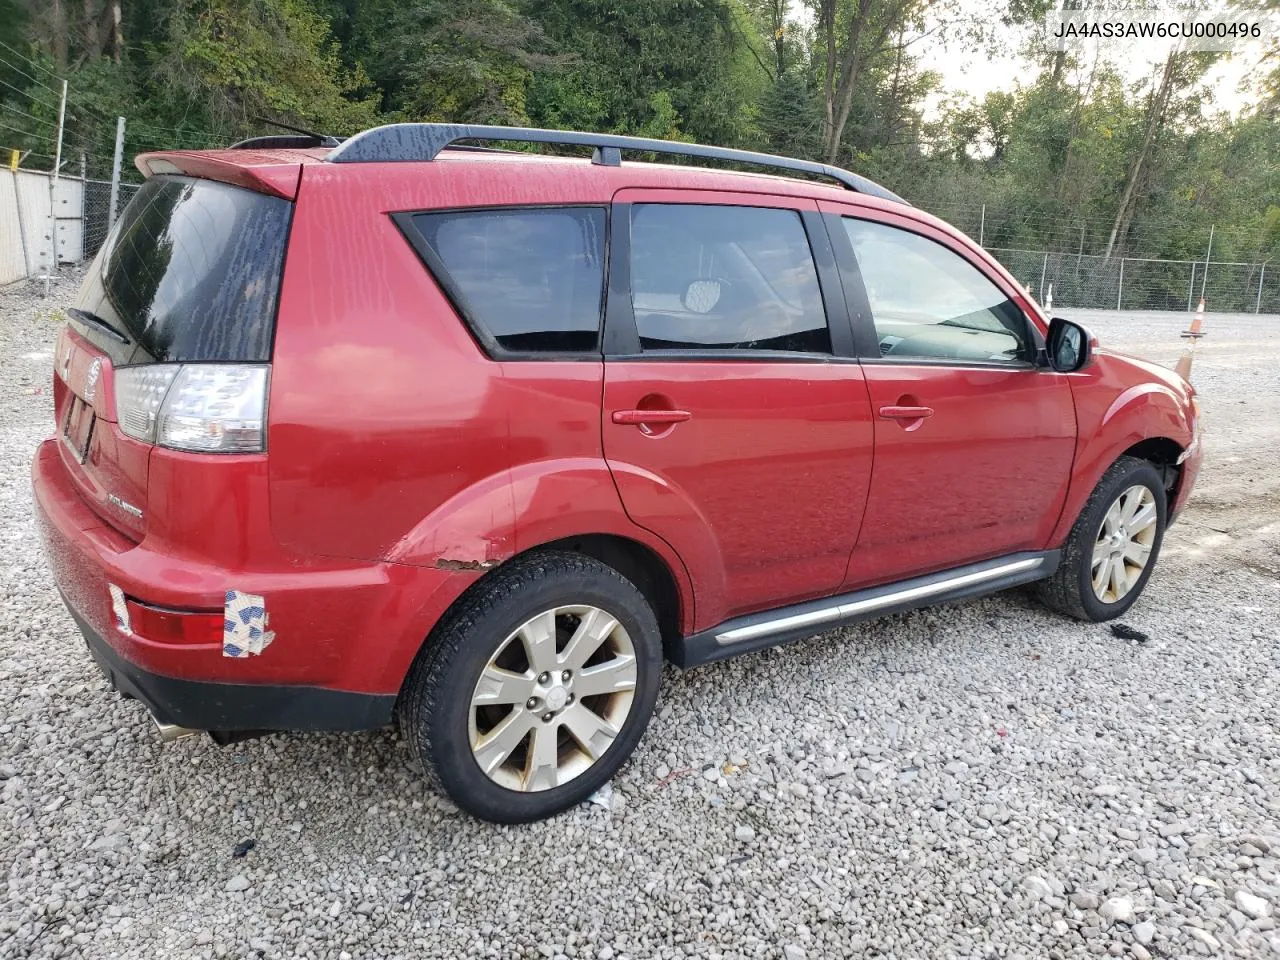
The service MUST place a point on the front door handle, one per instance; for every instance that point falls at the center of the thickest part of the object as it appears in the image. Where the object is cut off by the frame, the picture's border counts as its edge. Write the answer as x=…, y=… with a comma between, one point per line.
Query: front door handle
x=640, y=418
x=905, y=413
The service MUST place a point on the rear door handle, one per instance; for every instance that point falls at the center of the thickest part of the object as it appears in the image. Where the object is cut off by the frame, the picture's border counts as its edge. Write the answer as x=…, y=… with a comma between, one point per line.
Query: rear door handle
x=638, y=418
x=905, y=413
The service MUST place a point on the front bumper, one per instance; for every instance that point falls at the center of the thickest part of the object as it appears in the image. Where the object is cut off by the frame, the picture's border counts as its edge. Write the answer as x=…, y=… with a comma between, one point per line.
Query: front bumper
x=1188, y=471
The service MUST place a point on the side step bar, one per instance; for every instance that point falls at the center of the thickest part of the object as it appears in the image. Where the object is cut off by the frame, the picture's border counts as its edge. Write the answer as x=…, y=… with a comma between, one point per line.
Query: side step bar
x=759, y=630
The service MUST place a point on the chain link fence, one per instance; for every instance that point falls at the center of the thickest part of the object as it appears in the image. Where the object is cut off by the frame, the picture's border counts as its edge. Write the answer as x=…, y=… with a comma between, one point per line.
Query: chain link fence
x=1079, y=280
x=1139, y=283
x=97, y=211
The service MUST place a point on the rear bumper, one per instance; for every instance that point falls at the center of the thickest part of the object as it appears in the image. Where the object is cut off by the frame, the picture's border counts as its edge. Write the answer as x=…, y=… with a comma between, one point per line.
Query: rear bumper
x=345, y=631
x=231, y=707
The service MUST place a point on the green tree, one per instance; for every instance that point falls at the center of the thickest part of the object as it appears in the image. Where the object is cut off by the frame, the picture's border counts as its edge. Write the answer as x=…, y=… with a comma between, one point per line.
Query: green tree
x=791, y=116
x=460, y=60
x=679, y=68
x=244, y=58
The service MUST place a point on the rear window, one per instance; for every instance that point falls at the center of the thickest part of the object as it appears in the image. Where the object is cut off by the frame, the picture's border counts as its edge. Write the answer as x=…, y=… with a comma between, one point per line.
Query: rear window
x=190, y=272
x=528, y=281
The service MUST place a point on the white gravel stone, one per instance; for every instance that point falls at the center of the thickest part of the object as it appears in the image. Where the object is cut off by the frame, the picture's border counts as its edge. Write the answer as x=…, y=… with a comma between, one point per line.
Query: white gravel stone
x=1084, y=900
x=1037, y=887
x=115, y=846
x=744, y=833
x=1144, y=932
x=1252, y=905
x=1117, y=909
x=1205, y=937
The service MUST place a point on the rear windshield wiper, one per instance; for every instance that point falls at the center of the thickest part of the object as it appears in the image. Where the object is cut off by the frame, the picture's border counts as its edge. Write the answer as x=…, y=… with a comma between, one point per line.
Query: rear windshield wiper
x=93, y=320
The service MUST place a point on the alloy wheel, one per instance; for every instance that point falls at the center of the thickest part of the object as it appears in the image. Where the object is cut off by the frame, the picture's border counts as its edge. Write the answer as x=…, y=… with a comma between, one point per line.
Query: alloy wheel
x=1123, y=545
x=552, y=699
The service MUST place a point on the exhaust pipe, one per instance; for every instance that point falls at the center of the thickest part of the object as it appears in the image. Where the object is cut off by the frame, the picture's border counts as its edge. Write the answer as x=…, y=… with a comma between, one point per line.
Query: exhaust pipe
x=170, y=732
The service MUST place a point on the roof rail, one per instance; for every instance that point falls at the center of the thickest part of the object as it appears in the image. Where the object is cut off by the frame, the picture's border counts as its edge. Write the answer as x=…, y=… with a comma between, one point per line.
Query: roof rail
x=424, y=141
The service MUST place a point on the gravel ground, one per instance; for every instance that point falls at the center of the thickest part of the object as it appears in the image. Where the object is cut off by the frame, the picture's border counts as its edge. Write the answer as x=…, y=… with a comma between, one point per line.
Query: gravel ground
x=976, y=781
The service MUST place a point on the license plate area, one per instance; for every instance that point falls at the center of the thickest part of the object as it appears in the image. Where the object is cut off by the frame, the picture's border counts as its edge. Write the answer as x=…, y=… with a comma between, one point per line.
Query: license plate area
x=77, y=428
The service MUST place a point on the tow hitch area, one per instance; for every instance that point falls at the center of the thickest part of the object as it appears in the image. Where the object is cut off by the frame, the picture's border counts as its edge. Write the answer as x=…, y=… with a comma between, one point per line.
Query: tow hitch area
x=171, y=731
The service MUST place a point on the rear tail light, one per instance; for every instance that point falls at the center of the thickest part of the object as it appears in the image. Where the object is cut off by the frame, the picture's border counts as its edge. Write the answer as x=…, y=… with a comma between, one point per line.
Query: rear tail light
x=200, y=407
x=174, y=626
x=139, y=393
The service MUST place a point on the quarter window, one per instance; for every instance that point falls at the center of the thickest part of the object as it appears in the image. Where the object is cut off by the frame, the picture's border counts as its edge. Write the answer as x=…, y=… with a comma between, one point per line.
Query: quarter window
x=724, y=278
x=531, y=280
x=929, y=302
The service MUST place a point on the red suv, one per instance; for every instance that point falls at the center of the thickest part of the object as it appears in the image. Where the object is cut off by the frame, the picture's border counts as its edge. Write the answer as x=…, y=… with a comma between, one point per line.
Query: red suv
x=475, y=438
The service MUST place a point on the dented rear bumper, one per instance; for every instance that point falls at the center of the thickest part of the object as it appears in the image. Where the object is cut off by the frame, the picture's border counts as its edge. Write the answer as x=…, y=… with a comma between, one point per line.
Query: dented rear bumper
x=344, y=631
x=235, y=707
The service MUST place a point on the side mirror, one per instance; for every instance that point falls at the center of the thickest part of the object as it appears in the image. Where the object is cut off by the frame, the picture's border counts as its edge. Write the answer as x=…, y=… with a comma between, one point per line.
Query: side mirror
x=1068, y=346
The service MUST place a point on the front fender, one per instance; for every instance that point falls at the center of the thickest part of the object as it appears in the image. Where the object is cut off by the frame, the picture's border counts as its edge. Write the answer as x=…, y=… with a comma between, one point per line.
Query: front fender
x=1119, y=403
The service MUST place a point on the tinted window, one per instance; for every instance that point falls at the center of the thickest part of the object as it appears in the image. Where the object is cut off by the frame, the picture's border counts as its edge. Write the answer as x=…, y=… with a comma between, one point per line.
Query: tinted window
x=927, y=301
x=530, y=279
x=712, y=277
x=191, y=271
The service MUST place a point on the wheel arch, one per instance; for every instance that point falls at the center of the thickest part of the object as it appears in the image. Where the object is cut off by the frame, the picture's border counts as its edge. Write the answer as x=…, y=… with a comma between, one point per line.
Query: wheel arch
x=1162, y=453
x=640, y=563
x=642, y=566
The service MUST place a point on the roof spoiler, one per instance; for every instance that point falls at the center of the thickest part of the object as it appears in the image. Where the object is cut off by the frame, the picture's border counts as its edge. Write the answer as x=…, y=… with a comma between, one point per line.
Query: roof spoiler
x=424, y=141
x=286, y=142
x=270, y=176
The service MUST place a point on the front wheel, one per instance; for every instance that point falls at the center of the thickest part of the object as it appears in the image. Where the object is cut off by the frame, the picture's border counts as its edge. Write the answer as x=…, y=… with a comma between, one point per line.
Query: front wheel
x=534, y=691
x=1113, y=546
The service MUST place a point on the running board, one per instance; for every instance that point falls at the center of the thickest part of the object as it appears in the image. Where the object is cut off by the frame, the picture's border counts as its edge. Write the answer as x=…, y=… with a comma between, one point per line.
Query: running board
x=759, y=630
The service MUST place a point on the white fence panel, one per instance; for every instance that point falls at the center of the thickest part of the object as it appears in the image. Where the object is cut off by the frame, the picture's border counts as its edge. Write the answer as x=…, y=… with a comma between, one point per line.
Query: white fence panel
x=69, y=207
x=25, y=226
x=13, y=262
x=33, y=208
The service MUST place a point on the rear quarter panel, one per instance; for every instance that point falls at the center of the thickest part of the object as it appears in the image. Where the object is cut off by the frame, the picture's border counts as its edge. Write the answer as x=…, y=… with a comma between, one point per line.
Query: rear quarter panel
x=379, y=412
x=392, y=435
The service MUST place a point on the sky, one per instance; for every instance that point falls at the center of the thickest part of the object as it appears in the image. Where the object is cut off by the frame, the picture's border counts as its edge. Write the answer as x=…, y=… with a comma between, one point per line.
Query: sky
x=976, y=72
x=966, y=69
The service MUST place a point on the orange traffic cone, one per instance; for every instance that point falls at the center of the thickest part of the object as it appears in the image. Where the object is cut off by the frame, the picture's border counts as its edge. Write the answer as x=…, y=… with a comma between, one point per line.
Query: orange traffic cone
x=1183, y=367
x=1195, y=333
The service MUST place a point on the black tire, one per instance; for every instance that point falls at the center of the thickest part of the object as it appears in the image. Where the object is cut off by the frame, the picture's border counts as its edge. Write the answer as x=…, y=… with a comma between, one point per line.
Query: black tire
x=436, y=701
x=1070, y=589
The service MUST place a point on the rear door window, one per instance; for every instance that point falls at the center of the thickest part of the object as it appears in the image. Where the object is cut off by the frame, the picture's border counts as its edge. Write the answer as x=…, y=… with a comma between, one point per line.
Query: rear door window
x=724, y=278
x=190, y=272
x=528, y=281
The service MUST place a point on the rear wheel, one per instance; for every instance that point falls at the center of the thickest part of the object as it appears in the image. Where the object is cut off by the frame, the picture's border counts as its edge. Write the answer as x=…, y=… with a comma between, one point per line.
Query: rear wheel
x=530, y=695
x=1113, y=546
